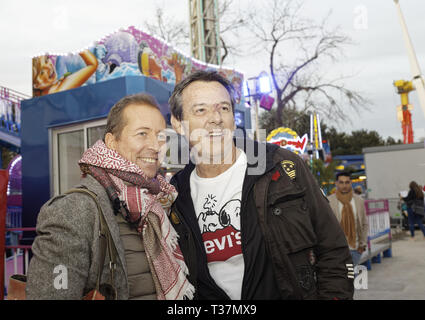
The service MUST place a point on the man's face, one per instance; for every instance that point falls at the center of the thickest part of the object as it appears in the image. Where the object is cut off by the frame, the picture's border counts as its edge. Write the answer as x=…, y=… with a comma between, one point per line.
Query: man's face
x=142, y=139
x=208, y=120
x=343, y=184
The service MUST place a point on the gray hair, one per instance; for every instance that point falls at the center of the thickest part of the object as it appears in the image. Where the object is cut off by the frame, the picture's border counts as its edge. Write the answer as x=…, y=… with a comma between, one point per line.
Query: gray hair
x=175, y=100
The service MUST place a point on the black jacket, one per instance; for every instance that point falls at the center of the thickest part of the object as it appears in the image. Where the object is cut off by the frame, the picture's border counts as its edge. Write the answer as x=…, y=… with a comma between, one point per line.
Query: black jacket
x=287, y=219
x=412, y=198
x=415, y=203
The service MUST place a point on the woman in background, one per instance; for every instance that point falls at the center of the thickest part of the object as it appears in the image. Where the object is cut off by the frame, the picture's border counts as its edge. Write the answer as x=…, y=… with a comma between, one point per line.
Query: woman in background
x=415, y=199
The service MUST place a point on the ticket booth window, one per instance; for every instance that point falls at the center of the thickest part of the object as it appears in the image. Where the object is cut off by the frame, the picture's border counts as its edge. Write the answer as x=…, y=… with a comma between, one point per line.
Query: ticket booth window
x=68, y=145
x=94, y=134
x=70, y=148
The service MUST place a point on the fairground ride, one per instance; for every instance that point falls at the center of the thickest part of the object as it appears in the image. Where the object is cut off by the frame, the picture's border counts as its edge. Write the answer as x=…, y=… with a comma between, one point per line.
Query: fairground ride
x=404, y=87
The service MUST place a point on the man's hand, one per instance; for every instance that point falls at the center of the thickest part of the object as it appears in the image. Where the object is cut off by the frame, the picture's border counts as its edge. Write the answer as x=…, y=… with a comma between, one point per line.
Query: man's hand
x=361, y=249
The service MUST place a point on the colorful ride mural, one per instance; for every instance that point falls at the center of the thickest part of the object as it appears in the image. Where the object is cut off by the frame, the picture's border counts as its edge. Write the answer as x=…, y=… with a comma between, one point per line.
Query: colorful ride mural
x=129, y=52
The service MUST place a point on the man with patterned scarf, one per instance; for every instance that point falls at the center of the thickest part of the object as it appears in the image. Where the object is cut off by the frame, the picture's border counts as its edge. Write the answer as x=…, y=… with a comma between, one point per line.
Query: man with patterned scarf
x=122, y=171
x=350, y=211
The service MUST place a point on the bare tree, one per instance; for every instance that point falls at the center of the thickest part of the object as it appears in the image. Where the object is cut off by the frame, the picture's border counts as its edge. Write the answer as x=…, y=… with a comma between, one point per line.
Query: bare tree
x=176, y=32
x=231, y=22
x=297, y=47
x=164, y=26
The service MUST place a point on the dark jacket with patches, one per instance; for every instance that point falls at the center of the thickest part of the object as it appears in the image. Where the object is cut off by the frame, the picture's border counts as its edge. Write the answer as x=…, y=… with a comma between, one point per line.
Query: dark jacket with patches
x=303, y=240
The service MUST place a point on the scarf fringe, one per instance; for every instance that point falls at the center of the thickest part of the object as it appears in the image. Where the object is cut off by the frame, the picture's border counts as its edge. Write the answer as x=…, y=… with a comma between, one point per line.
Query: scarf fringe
x=174, y=244
x=189, y=292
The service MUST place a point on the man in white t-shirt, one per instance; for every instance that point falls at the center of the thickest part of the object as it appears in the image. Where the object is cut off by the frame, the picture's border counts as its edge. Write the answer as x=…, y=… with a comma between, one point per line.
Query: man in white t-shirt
x=244, y=227
x=216, y=183
x=350, y=211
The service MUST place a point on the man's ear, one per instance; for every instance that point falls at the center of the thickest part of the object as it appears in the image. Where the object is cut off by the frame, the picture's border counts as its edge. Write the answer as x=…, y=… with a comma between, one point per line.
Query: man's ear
x=110, y=141
x=177, y=125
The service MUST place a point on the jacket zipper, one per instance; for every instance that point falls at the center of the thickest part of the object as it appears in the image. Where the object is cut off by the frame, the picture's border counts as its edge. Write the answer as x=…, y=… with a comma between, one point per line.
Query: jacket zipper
x=244, y=200
x=290, y=197
x=243, y=240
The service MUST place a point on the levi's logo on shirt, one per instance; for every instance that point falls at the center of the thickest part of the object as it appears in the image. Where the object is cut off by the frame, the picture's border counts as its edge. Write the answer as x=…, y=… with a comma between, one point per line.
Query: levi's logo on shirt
x=220, y=230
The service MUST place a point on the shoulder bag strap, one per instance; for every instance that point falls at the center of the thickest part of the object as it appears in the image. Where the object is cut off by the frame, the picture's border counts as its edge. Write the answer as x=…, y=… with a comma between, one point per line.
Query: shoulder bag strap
x=105, y=239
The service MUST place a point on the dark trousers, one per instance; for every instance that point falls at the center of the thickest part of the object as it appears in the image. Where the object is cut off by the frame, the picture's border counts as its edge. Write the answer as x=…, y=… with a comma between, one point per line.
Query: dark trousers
x=413, y=219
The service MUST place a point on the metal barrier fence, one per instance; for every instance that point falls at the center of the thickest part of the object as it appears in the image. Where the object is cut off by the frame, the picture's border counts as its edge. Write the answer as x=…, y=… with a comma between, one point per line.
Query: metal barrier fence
x=13, y=221
x=396, y=216
x=379, y=218
x=10, y=109
x=13, y=217
x=379, y=235
x=18, y=262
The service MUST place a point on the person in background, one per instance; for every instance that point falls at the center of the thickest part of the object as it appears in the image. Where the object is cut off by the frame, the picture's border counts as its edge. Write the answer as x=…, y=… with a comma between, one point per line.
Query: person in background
x=359, y=191
x=350, y=211
x=415, y=208
x=402, y=206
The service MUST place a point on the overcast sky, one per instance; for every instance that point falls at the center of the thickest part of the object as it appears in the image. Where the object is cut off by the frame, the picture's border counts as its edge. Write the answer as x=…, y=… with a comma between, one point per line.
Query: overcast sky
x=378, y=57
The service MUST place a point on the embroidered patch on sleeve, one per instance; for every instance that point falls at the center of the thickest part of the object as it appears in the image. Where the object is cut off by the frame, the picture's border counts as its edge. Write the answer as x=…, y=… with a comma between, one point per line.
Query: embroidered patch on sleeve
x=289, y=168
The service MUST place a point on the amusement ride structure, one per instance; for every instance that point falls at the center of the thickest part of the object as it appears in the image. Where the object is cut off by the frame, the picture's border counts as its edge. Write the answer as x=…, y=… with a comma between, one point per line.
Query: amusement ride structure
x=404, y=87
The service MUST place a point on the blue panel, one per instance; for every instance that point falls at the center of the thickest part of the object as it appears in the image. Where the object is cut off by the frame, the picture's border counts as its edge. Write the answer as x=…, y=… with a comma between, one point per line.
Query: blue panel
x=160, y=90
x=164, y=93
x=388, y=253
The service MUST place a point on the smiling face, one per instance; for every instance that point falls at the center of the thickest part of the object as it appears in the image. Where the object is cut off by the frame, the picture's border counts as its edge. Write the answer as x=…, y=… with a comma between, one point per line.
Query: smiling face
x=142, y=139
x=207, y=120
x=45, y=74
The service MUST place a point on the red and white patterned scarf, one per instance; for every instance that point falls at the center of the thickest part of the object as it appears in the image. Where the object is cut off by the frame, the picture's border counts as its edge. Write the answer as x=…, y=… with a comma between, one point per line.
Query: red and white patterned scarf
x=148, y=203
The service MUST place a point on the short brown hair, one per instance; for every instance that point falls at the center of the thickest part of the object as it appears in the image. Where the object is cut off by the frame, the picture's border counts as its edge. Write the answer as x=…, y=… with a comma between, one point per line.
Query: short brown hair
x=175, y=101
x=116, y=122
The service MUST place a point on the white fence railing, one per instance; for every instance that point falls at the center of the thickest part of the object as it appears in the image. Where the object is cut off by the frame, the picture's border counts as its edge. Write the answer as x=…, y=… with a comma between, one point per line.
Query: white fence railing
x=379, y=235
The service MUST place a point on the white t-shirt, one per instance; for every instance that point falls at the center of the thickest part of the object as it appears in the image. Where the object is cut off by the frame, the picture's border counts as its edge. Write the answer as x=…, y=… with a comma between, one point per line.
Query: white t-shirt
x=217, y=203
x=353, y=205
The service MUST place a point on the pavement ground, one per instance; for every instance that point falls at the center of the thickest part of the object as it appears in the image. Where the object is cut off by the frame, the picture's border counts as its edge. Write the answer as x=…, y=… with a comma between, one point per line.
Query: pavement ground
x=401, y=277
